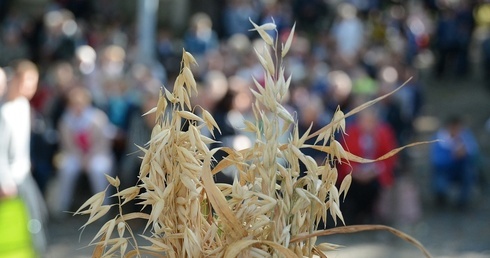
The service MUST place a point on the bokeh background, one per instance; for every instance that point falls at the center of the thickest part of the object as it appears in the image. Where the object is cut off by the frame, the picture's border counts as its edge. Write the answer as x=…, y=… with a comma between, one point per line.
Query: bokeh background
x=344, y=52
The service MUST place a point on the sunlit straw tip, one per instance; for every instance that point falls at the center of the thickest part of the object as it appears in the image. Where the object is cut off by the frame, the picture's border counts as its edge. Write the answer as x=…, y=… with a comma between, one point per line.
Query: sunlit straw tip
x=265, y=26
x=189, y=58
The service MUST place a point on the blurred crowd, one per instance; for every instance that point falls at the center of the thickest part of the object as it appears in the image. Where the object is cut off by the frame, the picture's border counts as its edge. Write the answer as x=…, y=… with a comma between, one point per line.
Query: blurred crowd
x=86, y=113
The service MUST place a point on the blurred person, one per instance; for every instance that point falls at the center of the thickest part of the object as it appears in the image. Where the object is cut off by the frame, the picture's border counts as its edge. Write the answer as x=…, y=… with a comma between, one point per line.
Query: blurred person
x=421, y=25
x=368, y=137
x=241, y=111
x=298, y=58
x=340, y=90
x=219, y=101
x=454, y=160
x=446, y=39
x=278, y=13
x=85, y=146
x=214, y=61
x=58, y=37
x=112, y=62
x=392, y=113
x=320, y=83
x=15, y=125
x=400, y=36
x=365, y=5
x=60, y=80
x=453, y=37
x=86, y=68
x=138, y=134
x=111, y=66
x=236, y=15
x=200, y=37
x=485, y=48
x=482, y=19
x=167, y=49
x=309, y=14
x=251, y=66
x=48, y=104
x=12, y=45
x=79, y=8
x=363, y=83
x=348, y=33
x=312, y=113
x=410, y=98
x=120, y=101
x=140, y=77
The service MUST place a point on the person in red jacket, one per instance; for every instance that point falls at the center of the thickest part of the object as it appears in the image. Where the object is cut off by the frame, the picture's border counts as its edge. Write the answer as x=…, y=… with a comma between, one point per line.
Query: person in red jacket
x=367, y=137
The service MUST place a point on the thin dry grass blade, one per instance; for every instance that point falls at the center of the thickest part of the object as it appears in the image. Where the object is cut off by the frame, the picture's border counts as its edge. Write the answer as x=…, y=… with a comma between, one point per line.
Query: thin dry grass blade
x=352, y=157
x=133, y=215
x=376, y=100
x=318, y=252
x=134, y=253
x=358, y=109
x=235, y=248
x=219, y=203
x=355, y=158
x=361, y=228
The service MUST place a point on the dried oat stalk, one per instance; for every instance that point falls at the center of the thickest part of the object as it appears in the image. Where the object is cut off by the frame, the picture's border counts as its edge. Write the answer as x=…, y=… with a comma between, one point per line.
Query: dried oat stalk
x=269, y=210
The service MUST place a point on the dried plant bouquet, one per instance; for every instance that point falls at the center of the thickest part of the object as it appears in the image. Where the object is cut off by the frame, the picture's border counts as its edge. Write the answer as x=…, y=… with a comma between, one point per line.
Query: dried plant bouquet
x=268, y=211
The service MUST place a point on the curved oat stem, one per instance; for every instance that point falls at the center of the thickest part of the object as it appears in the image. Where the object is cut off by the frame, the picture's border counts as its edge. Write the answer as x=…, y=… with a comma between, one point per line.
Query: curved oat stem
x=133, y=253
x=355, y=158
x=356, y=110
x=361, y=228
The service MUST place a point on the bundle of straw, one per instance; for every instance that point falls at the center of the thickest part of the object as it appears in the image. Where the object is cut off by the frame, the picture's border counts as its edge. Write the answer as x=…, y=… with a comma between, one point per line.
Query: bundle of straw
x=268, y=211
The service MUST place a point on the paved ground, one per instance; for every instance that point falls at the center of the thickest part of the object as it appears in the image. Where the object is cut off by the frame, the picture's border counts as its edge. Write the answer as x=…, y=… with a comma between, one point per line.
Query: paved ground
x=445, y=233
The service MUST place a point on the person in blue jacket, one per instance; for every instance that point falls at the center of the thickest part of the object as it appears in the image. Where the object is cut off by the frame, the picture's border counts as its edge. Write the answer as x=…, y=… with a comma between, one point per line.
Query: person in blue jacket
x=454, y=160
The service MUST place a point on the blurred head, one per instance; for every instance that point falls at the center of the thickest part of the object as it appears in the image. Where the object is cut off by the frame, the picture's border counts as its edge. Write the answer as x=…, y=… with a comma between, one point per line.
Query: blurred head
x=341, y=85
x=79, y=99
x=347, y=11
x=216, y=86
x=201, y=22
x=454, y=125
x=113, y=58
x=311, y=112
x=24, y=80
x=243, y=99
x=368, y=120
x=63, y=74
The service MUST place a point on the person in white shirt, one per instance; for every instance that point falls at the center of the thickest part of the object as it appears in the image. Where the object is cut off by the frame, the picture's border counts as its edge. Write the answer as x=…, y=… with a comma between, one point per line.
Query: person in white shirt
x=85, y=146
x=15, y=164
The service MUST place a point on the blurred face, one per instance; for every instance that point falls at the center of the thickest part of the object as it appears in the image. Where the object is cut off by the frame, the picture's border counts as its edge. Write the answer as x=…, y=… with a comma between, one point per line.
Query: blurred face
x=28, y=83
x=454, y=130
x=368, y=121
x=78, y=101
